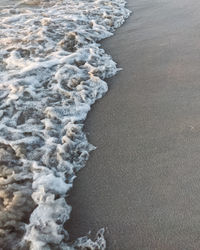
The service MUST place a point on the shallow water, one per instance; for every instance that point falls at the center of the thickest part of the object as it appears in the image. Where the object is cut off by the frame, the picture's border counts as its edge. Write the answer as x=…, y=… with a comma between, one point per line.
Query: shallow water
x=52, y=71
x=8, y=2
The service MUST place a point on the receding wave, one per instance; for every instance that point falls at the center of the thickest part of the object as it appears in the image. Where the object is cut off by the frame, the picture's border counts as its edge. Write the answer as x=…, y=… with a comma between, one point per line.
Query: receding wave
x=51, y=72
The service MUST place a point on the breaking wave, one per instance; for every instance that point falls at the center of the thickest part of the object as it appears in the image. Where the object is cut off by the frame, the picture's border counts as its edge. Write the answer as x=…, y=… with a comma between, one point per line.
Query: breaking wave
x=51, y=72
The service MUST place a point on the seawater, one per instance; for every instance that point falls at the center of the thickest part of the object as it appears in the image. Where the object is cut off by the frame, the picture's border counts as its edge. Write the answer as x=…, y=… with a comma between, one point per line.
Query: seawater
x=52, y=69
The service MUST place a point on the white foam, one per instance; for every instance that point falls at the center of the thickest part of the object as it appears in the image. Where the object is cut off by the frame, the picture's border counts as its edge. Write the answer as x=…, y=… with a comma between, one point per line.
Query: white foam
x=52, y=71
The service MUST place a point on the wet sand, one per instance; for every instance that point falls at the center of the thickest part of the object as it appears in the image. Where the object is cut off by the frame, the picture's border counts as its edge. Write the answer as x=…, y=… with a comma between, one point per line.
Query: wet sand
x=143, y=181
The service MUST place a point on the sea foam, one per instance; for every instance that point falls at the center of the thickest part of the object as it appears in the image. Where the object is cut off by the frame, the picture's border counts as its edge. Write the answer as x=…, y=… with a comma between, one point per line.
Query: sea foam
x=52, y=69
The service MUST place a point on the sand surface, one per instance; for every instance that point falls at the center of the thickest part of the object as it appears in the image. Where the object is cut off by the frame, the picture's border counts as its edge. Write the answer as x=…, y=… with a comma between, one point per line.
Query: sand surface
x=143, y=181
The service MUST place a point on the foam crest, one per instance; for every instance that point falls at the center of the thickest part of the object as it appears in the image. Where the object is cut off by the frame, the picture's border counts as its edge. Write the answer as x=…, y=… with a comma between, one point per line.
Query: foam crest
x=52, y=71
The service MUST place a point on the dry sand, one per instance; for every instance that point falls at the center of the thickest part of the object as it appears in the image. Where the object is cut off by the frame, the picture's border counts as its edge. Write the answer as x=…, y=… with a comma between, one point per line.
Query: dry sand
x=143, y=181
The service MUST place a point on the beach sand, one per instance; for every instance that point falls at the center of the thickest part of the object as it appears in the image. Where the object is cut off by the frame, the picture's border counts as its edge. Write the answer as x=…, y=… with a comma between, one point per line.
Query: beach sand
x=143, y=182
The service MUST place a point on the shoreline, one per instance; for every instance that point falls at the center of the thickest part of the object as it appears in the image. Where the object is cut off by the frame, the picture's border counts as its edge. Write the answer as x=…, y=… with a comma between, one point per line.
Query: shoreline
x=142, y=181
x=52, y=71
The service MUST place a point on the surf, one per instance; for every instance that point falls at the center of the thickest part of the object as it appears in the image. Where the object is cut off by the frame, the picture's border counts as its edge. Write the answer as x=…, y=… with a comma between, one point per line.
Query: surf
x=52, y=70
